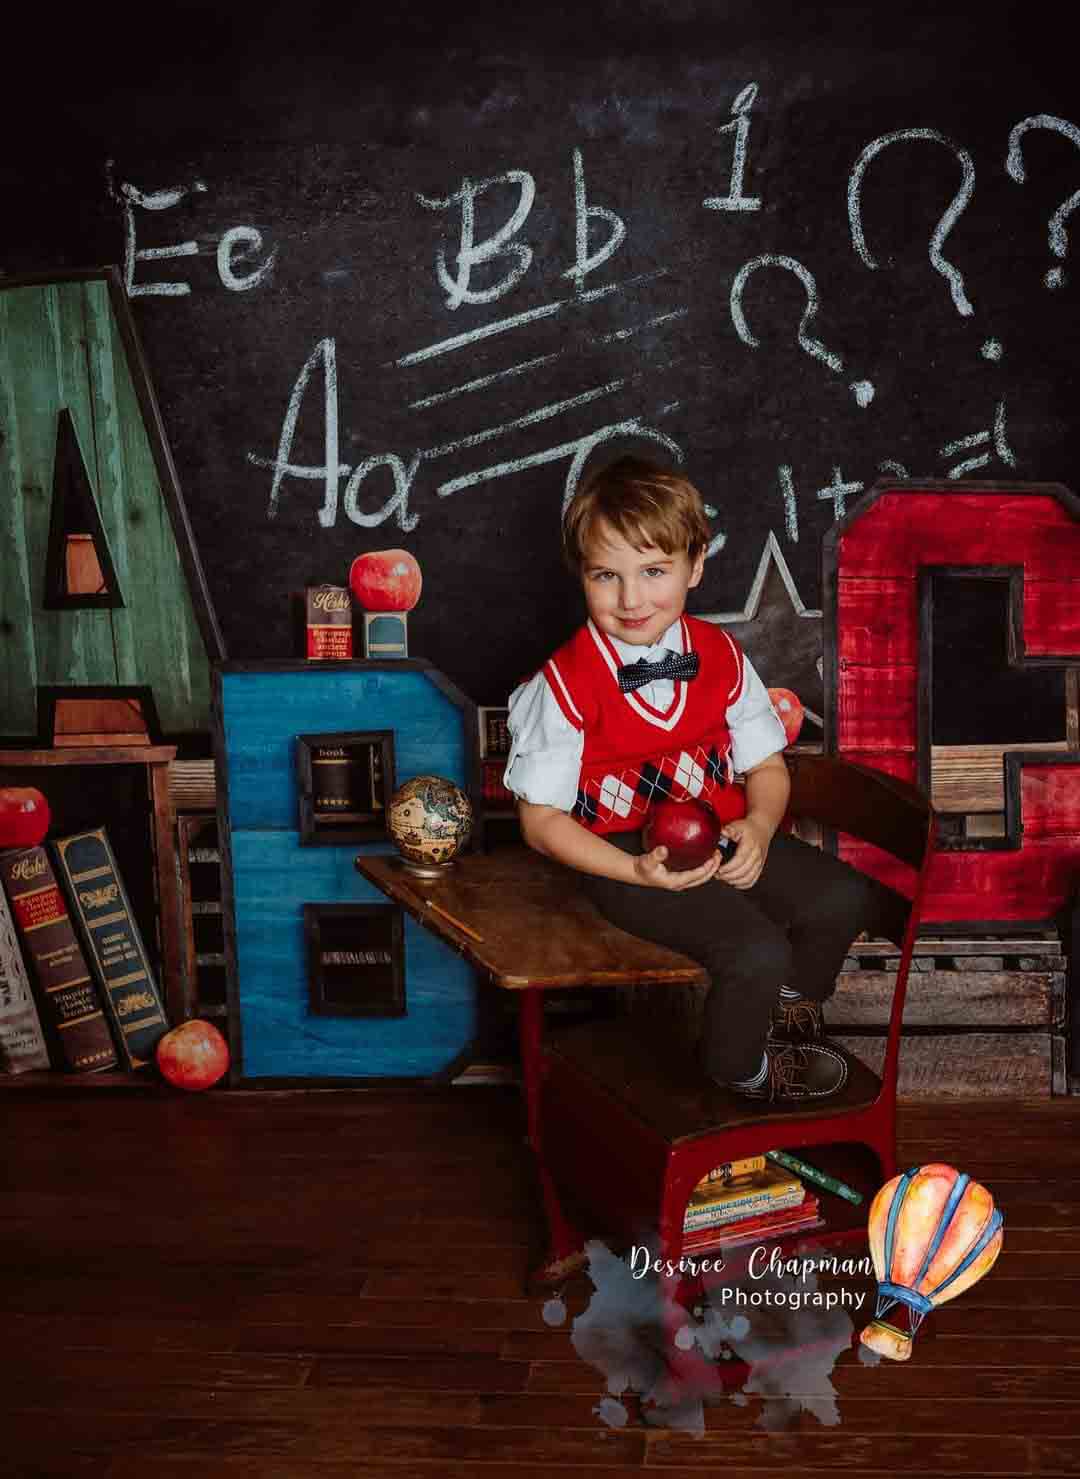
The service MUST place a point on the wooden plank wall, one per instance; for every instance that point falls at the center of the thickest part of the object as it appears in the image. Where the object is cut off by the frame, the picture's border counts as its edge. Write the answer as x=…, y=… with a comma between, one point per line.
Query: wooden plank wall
x=878, y=557
x=60, y=345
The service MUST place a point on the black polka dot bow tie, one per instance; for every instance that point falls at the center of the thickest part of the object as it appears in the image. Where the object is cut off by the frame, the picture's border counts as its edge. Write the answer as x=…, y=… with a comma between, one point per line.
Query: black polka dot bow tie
x=672, y=665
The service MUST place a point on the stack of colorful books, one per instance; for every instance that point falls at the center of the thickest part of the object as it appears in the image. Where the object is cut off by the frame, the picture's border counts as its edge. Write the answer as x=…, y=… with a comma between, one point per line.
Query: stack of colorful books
x=747, y=1201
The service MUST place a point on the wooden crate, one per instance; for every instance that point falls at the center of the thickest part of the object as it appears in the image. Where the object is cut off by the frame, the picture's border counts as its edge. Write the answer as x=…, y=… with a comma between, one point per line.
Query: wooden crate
x=983, y=1017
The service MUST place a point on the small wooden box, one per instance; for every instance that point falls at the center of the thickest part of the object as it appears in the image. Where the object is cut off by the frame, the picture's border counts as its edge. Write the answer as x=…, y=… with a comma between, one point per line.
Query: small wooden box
x=983, y=1017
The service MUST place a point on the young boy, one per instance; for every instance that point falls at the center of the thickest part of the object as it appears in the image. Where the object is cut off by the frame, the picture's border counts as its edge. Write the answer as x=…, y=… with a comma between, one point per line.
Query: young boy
x=645, y=702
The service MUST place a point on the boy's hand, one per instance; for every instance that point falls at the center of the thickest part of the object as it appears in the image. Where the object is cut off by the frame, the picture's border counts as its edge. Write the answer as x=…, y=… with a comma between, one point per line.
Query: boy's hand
x=650, y=871
x=752, y=840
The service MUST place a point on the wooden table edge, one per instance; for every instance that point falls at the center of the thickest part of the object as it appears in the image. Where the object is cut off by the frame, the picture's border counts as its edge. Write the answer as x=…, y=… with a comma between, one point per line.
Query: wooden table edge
x=446, y=930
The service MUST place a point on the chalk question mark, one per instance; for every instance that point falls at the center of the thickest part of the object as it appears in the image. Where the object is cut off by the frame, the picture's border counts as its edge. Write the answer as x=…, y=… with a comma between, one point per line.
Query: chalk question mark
x=955, y=209
x=1014, y=163
x=862, y=389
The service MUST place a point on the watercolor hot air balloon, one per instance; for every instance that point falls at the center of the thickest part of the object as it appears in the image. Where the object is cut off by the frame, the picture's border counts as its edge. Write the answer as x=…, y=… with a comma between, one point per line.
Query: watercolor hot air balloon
x=933, y=1233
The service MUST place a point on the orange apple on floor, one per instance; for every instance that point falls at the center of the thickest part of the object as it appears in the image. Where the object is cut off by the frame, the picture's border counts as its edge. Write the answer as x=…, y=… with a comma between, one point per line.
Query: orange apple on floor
x=193, y=1055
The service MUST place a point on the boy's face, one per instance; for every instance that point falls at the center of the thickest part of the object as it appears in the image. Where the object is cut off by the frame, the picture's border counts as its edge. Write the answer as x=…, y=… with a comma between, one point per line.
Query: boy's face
x=635, y=594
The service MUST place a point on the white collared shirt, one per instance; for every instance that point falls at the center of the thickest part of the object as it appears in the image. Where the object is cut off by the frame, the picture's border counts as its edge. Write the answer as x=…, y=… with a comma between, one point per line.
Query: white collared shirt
x=545, y=752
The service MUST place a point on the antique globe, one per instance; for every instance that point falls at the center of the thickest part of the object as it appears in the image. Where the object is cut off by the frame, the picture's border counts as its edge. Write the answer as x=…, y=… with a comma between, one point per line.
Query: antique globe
x=429, y=820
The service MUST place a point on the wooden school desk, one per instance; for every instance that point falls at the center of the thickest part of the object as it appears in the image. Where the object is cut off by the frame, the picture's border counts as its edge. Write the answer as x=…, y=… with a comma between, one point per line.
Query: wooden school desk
x=607, y=1104
x=520, y=919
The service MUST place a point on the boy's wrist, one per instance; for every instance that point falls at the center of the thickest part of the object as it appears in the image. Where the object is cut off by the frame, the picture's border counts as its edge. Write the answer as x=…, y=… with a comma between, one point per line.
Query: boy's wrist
x=765, y=823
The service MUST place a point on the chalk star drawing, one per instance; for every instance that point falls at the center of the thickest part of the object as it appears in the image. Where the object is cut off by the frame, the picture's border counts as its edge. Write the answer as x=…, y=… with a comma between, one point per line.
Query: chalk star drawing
x=780, y=635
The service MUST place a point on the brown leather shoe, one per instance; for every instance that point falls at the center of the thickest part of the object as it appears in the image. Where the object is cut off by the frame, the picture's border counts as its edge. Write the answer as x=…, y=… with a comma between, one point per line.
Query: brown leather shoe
x=797, y=1022
x=809, y=1071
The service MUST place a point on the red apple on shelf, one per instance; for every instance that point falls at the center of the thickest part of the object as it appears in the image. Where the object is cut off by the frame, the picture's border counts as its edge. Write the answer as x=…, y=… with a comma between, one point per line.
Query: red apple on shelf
x=790, y=710
x=193, y=1055
x=385, y=580
x=687, y=829
x=24, y=816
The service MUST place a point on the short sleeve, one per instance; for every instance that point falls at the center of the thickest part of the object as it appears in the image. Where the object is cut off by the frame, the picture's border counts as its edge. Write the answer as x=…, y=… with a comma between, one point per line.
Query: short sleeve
x=756, y=730
x=545, y=751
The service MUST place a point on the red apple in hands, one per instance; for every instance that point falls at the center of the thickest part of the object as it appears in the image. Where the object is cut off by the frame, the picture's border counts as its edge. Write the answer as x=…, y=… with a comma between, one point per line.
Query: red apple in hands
x=688, y=830
x=193, y=1055
x=24, y=816
x=790, y=710
x=385, y=580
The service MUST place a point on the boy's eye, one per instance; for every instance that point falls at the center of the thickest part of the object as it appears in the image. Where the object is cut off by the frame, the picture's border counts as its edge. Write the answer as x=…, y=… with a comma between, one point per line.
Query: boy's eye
x=656, y=570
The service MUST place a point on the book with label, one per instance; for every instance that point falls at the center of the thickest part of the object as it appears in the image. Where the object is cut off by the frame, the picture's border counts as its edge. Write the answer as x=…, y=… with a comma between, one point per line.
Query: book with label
x=114, y=946
x=66, y=990
x=769, y=1189
x=22, y=1042
x=762, y=1227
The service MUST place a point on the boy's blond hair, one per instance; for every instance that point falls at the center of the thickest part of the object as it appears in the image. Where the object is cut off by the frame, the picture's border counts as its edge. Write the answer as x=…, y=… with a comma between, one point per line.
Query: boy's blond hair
x=643, y=503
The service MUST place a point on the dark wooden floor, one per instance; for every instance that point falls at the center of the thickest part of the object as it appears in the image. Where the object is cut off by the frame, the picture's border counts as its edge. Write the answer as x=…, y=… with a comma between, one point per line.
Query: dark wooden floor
x=322, y=1285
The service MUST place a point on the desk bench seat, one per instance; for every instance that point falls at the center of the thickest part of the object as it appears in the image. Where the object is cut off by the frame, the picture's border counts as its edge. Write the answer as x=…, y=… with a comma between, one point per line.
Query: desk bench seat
x=630, y=1127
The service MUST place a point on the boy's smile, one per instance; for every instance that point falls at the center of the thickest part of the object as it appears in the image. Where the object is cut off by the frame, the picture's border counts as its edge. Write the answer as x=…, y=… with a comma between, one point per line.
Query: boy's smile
x=635, y=594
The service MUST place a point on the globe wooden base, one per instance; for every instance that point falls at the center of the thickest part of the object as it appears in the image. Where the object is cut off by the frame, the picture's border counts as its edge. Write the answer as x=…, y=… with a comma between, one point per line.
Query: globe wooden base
x=427, y=870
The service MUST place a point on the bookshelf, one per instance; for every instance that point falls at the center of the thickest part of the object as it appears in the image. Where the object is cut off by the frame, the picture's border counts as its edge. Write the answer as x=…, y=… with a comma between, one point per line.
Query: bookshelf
x=126, y=789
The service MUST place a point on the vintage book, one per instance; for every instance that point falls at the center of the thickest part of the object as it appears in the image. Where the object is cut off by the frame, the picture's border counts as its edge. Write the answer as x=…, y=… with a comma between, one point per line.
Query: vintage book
x=327, y=622
x=345, y=782
x=819, y=1178
x=492, y=787
x=494, y=732
x=720, y=1212
x=771, y=1182
x=66, y=988
x=731, y=1170
x=806, y=1213
x=22, y=1042
x=114, y=947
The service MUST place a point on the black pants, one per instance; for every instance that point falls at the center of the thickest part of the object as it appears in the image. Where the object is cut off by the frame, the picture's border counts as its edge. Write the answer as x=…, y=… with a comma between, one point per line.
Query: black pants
x=792, y=928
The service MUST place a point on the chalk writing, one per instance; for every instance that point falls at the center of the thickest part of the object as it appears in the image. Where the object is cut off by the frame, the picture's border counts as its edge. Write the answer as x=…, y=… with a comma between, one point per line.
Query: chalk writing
x=1014, y=164
x=838, y=492
x=154, y=200
x=458, y=287
x=237, y=244
x=952, y=213
x=981, y=439
x=472, y=253
x=242, y=242
x=485, y=269
x=735, y=200
x=325, y=352
x=791, y=511
x=483, y=381
x=718, y=540
x=863, y=389
x=584, y=213
x=579, y=450
x=332, y=469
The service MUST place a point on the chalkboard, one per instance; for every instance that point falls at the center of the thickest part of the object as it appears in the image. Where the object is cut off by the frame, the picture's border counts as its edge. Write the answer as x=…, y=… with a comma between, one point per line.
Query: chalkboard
x=456, y=253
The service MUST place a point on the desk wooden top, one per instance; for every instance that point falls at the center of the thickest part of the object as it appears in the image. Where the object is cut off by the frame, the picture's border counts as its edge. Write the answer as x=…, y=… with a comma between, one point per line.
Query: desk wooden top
x=524, y=921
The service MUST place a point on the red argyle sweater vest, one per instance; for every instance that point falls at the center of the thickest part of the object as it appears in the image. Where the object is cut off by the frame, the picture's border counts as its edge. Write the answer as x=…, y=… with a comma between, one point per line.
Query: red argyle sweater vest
x=635, y=754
